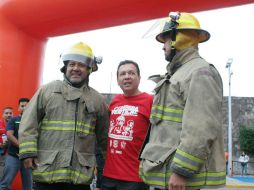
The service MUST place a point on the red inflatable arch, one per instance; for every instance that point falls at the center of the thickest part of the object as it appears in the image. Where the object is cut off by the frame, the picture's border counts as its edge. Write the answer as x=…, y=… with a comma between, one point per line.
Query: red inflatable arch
x=25, y=26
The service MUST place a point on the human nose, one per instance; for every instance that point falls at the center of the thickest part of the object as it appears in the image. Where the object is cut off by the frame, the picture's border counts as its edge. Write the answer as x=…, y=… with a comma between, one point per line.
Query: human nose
x=127, y=76
x=75, y=67
x=164, y=47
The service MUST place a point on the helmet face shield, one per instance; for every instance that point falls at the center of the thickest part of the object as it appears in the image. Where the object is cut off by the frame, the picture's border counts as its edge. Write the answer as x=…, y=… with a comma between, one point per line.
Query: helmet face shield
x=79, y=52
x=166, y=26
x=79, y=58
x=82, y=53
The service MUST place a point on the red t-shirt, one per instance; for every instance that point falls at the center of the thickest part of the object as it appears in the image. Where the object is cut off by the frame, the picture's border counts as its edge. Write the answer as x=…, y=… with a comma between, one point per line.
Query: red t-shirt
x=129, y=121
x=2, y=129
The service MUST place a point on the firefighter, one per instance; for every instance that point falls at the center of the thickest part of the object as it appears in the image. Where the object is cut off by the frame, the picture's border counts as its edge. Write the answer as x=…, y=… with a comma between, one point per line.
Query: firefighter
x=61, y=124
x=184, y=149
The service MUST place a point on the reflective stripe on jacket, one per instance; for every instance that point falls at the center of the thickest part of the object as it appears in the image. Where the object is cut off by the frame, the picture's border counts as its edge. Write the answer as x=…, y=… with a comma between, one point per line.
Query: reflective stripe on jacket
x=186, y=135
x=60, y=126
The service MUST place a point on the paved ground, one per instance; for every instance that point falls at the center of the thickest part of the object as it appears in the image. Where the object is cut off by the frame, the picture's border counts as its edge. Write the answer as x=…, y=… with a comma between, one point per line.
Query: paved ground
x=239, y=182
x=246, y=182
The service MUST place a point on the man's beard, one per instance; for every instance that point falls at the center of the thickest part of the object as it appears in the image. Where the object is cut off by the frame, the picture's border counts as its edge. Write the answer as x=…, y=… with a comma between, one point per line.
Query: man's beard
x=170, y=56
x=77, y=84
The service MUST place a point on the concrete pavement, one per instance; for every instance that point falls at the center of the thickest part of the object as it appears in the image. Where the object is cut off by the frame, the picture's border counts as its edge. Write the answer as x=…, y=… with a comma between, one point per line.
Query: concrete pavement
x=240, y=182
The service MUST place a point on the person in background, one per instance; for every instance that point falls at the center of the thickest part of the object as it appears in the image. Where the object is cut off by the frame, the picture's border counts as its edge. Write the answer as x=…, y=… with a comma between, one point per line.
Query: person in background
x=185, y=148
x=7, y=114
x=96, y=183
x=12, y=162
x=226, y=158
x=62, y=124
x=244, y=159
x=129, y=122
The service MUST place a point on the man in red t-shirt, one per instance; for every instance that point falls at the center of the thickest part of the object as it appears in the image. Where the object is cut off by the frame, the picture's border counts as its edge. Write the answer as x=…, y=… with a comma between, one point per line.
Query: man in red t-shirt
x=7, y=114
x=129, y=122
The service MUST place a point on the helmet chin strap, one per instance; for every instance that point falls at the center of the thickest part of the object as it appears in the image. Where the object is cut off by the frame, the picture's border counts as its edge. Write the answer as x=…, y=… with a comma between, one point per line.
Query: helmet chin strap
x=174, y=17
x=173, y=49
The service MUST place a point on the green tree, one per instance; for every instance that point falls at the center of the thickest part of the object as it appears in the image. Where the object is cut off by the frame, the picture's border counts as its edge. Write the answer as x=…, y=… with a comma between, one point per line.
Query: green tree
x=247, y=139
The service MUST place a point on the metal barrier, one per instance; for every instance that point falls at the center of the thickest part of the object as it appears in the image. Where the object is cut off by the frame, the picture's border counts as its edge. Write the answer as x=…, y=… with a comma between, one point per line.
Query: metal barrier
x=237, y=168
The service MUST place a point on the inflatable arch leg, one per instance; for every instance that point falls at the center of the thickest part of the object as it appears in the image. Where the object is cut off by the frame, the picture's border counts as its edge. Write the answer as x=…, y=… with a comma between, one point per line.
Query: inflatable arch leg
x=20, y=66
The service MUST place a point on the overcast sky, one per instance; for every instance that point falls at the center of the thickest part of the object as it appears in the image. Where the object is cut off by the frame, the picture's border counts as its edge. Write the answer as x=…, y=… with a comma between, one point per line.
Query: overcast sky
x=231, y=32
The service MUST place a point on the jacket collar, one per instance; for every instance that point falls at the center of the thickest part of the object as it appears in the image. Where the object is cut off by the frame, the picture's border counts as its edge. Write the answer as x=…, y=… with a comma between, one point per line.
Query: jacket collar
x=181, y=58
x=72, y=93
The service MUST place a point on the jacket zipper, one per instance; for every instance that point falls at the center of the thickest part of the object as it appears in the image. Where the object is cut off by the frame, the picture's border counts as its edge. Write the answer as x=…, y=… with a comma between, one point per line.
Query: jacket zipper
x=74, y=138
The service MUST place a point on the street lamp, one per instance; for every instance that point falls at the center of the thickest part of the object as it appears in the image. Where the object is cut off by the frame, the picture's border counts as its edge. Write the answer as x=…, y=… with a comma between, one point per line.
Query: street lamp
x=228, y=66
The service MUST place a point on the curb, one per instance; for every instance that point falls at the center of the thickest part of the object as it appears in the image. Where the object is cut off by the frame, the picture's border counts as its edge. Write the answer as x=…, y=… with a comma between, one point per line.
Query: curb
x=240, y=186
x=236, y=182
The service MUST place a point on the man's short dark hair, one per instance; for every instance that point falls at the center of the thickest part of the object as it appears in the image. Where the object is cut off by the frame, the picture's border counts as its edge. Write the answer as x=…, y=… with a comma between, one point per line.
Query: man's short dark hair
x=128, y=62
x=23, y=100
x=7, y=107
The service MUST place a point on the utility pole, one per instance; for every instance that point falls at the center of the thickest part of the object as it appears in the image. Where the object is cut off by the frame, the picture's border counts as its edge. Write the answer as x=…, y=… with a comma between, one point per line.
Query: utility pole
x=228, y=66
x=110, y=84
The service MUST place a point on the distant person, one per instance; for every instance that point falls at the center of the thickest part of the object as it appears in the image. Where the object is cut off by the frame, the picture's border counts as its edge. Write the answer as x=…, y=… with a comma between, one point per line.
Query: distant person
x=7, y=114
x=185, y=148
x=62, y=123
x=96, y=183
x=226, y=158
x=244, y=159
x=129, y=122
x=12, y=162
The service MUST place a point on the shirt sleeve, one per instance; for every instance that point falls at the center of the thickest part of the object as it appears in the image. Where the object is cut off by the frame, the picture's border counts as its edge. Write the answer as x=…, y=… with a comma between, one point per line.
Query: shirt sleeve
x=11, y=125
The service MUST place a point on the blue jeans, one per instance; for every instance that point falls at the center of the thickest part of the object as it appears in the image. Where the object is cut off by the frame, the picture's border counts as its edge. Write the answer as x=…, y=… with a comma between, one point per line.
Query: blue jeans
x=11, y=168
x=244, y=168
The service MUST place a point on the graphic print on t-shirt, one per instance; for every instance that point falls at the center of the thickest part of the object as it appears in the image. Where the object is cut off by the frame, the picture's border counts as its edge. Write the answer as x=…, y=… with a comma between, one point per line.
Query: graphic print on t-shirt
x=122, y=127
x=129, y=121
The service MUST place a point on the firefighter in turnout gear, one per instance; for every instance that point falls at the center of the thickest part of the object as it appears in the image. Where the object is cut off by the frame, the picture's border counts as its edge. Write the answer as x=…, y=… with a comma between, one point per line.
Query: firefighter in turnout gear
x=184, y=148
x=61, y=124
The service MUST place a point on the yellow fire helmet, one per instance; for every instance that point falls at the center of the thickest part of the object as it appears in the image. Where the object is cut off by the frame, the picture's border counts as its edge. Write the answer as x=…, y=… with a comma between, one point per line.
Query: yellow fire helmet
x=184, y=30
x=82, y=53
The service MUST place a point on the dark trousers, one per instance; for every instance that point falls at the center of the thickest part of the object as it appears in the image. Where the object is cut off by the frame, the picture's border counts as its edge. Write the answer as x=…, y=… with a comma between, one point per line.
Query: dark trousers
x=165, y=189
x=114, y=184
x=59, y=186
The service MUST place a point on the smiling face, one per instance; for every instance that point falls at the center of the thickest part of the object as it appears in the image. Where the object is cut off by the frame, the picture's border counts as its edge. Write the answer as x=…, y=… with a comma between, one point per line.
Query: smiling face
x=77, y=73
x=128, y=79
x=7, y=114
